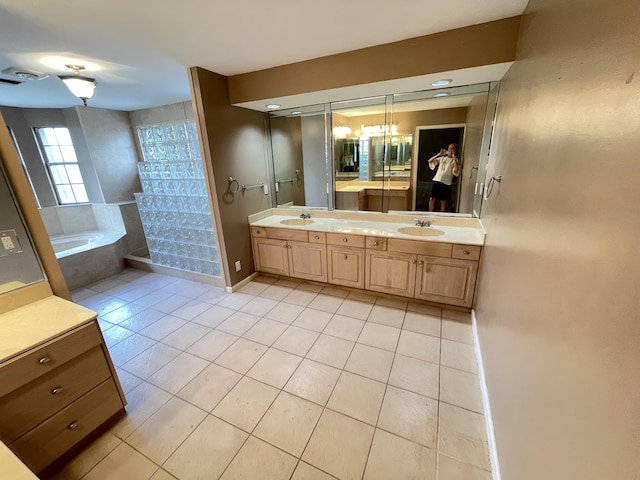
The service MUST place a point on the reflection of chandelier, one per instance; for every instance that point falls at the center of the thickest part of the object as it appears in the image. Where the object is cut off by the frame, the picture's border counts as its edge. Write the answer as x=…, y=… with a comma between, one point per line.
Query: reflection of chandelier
x=373, y=130
x=341, y=131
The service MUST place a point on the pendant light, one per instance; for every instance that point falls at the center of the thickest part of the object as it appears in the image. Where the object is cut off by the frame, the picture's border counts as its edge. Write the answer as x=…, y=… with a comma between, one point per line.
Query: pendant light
x=81, y=87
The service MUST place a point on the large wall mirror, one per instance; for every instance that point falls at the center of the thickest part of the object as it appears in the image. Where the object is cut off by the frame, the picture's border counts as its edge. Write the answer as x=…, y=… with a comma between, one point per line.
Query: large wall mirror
x=373, y=154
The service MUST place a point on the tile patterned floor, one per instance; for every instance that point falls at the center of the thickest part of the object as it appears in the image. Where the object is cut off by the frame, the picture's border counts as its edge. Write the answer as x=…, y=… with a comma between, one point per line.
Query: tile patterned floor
x=283, y=380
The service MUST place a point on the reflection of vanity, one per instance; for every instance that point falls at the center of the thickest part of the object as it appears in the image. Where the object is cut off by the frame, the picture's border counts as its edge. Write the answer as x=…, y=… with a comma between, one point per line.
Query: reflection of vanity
x=375, y=196
x=361, y=250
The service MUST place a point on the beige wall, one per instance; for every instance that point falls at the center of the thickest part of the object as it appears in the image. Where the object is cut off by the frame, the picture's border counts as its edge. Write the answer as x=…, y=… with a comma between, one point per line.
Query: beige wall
x=234, y=145
x=559, y=295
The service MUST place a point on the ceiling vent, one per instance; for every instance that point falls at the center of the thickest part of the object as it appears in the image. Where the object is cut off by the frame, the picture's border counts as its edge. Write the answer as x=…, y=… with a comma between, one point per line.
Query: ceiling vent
x=23, y=74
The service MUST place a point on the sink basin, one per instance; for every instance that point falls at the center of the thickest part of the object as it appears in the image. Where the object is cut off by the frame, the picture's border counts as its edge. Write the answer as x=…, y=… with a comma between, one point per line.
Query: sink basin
x=297, y=221
x=421, y=231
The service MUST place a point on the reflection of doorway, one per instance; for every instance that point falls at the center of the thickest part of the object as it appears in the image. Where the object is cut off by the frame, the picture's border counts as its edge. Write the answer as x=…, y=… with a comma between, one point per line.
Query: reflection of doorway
x=429, y=141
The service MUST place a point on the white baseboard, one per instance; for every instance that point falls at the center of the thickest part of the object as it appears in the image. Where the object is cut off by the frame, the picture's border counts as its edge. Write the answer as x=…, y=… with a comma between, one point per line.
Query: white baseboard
x=493, y=451
x=242, y=283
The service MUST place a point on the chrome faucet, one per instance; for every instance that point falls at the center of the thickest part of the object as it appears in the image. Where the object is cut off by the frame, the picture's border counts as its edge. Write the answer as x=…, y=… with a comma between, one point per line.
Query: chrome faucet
x=305, y=215
x=423, y=223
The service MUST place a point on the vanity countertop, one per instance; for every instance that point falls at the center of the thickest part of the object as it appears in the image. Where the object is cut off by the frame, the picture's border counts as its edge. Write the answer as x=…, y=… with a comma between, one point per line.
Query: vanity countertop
x=12, y=467
x=357, y=186
x=467, y=231
x=38, y=322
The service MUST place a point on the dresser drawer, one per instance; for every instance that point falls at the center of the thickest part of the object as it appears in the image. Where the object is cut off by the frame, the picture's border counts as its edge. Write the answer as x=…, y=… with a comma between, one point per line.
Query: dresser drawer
x=345, y=239
x=23, y=409
x=376, y=243
x=44, y=359
x=45, y=443
x=258, y=232
x=317, y=237
x=466, y=252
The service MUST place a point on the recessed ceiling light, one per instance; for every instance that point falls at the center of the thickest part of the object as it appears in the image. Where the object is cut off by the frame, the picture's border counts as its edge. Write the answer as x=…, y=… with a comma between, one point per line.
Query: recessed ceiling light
x=443, y=94
x=440, y=83
x=297, y=112
x=272, y=105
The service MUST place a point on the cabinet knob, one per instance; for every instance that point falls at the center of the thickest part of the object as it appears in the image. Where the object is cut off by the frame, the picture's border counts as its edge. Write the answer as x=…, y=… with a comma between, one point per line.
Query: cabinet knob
x=317, y=237
x=57, y=390
x=44, y=360
x=466, y=252
x=284, y=246
x=257, y=232
x=420, y=262
x=414, y=261
x=73, y=425
x=345, y=239
x=375, y=243
x=346, y=258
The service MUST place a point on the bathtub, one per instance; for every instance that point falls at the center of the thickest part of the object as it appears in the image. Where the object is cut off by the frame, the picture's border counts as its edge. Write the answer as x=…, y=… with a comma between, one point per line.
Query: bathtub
x=65, y=245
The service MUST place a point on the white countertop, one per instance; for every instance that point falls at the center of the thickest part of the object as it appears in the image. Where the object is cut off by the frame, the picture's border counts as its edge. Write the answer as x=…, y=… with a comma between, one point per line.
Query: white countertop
x=11, y=466
x=466, y=231
x=38, y=322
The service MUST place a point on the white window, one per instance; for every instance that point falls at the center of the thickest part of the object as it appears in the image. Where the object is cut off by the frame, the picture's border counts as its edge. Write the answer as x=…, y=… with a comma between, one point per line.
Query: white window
x=62, y=163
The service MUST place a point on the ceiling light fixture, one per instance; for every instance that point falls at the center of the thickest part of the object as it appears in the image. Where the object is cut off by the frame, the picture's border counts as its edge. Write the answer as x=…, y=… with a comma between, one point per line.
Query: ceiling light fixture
x=297, y=112
x=272, y=105
x=81, y=87
x=440, y=83
x=443, y=94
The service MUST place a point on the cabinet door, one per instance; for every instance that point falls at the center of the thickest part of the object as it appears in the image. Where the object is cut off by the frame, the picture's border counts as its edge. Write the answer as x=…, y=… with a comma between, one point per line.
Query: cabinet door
x=271, y=256
x=346, y=266
x=446, y=280
x=308, y=261
x=390, y=272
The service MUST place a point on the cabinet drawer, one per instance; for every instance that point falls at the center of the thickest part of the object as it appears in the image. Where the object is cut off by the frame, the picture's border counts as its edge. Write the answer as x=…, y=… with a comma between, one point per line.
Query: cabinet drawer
x=45, y=443
x=44, y=359
x=433, y=249
x=317, y=237
x=258, y=232
x=345, y=239
x=376, y=243
x=466, y=252
x=26, y=407
x=288, y=234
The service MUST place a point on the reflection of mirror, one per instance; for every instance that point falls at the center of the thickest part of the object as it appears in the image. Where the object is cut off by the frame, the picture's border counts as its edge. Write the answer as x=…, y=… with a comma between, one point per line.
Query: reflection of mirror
x=19, y=265
x=379, y=149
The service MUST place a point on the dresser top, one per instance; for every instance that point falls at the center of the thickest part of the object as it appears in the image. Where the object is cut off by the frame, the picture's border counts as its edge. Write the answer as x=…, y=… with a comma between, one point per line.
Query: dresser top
x=26, y=327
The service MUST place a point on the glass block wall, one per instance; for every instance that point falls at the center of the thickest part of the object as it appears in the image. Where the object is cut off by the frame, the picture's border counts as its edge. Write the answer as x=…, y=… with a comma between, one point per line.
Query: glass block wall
x=174, y=208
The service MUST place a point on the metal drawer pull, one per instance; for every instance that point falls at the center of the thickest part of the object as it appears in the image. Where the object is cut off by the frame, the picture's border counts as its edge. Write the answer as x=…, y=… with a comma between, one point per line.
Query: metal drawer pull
x=317, y=237
x=44, y=360
x=345, y=239
x=420, y=262
x=375, y=243
x=57, y=390
x=466, y=252
x=72, y=425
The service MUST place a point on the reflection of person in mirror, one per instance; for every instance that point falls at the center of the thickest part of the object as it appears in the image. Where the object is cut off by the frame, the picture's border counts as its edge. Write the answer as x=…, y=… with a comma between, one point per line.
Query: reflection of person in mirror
x=448, y=167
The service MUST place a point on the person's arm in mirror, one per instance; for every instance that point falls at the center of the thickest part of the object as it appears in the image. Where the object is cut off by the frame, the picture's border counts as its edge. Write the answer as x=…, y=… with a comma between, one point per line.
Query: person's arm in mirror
x=435, y=160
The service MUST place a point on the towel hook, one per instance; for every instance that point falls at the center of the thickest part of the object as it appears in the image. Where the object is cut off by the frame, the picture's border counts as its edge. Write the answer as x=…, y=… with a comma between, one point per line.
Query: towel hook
x=233, y=181
x=490, y=185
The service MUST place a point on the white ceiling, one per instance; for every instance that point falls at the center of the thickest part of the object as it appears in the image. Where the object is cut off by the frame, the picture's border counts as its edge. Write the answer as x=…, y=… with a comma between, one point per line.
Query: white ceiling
x=139, y=50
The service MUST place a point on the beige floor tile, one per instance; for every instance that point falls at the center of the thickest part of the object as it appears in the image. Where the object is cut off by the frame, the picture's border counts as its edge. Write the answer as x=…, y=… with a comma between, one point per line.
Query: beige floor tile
x=127, y=381
x=326, y=303
x=296, y=340
x=171, y=304
x=238, y=323
x=275, y=367
x=165, y=430
x=258, y=459
x=370, y=362
x=304, y=471
x=212, y=345
x=288, y=423
x=422, y=323
x=355, y=308
x=424, y=308
x=115, y=334
x=300, y=297
x=395, y=302
x=259, y=306
x=185, y=336
x=335, y=292
x=88, y=457
x=129, y=348
x=400, y=459
x=276, y=292
x=339, y=445
x=162, y=475
x=417, y=345
x=191, y=310
x=178, y=372
x=380, y=336
x=362, y=297
x=142, y=402
x=265, y=331
x=457, y=331
x=393, y=317
x=313, y=381
x=163, y=327
x=123, y=313
x=254, y=288
x=357, y=397
x=142, y=320
x=415, y=375
x=209, y=387
x=463, y=317
x=410, y=415
x=452, y=469
x=246, y=403
x=236, y=300
x=241, y=356
x=207, y=451
x=461, y=389
x=151, y=360
x=214, y=316
x=284, y=312
x=311, y=319
x=331, y=351
x=458, y=355
x=344, y=327
x=122, y=462
x=310, y=287
x=462, y=435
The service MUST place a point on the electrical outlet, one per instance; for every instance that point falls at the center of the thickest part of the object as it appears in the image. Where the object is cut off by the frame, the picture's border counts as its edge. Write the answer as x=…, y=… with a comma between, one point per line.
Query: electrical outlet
x=238, y=266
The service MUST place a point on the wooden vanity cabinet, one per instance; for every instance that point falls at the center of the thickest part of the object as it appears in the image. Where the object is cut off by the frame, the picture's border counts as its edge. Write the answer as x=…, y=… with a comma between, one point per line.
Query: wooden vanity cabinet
x=446, y=280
